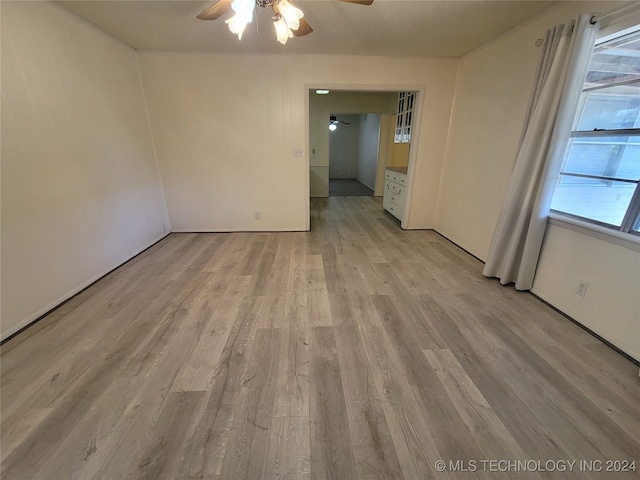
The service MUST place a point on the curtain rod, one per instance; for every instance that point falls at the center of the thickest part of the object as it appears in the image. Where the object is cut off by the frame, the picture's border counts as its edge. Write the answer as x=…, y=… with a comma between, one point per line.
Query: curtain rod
x=596, y=18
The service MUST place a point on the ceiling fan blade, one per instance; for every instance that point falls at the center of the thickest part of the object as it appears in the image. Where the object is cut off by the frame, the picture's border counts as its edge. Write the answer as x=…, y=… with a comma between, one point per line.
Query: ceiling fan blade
x=303, y=29
x=216, y=11
x=358, y=2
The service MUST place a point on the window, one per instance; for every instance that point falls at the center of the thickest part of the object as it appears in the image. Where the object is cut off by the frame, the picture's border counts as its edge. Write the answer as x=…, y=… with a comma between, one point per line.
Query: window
x=406, y=102
x=601, y=171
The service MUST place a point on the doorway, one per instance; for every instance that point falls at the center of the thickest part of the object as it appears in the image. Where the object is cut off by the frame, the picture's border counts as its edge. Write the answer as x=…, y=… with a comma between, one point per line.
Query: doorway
x=366, y=112
x=353, y=154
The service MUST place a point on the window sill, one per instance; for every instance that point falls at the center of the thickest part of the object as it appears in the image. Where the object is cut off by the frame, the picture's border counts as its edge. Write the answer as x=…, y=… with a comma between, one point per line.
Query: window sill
x=625, y=240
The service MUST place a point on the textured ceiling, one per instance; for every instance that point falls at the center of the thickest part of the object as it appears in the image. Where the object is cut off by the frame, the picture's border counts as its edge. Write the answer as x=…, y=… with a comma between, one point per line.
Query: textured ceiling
x=388, y=27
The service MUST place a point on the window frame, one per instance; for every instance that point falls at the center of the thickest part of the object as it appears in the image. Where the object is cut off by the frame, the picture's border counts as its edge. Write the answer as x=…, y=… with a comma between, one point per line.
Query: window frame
x=630, y=224
x=404, y=120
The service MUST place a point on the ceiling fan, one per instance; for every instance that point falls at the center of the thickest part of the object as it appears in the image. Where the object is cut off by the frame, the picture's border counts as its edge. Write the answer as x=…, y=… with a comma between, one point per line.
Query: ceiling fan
x=334, y=122
x=334, y=119
x=287, y=19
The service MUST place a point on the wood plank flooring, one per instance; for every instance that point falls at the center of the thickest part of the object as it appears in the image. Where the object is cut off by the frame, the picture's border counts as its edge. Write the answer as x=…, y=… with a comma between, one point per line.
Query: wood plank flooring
x=354, y=351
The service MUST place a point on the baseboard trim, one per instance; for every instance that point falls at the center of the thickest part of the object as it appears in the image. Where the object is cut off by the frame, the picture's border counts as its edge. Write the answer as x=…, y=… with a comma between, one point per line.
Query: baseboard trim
x=35, y=318
x=608, y=343
x=540, y=298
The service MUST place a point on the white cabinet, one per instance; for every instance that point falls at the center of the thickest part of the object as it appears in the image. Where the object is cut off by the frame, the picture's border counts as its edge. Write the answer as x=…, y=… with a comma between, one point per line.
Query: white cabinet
x=395, y=187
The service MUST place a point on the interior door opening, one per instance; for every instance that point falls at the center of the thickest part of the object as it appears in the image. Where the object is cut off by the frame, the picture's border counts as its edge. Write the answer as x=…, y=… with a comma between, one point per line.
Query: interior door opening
x=353, y=154
x=354, y=138
x=366, y=113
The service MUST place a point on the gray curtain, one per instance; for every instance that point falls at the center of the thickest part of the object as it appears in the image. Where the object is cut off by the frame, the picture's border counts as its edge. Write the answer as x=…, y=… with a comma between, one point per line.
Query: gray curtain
x=517, y=238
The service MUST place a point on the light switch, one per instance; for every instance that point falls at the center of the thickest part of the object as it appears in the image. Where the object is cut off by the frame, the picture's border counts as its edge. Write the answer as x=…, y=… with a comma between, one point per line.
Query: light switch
x=297, y=152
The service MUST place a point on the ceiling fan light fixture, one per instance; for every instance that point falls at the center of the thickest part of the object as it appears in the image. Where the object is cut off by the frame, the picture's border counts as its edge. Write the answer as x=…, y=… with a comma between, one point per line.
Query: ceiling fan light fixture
x=244, y=16
x=333, y=127
x=283, y=32
x=288, y=20
x=291, y=14
x=244, y=7
x=237, y=24
x=322, y=92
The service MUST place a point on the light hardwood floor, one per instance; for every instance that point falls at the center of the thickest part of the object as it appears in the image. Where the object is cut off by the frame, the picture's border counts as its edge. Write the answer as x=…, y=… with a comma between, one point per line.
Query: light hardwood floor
x=354, y=351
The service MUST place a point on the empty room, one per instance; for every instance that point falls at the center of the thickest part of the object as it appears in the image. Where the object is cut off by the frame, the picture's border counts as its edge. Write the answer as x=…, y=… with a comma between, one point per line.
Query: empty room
x=320, y=239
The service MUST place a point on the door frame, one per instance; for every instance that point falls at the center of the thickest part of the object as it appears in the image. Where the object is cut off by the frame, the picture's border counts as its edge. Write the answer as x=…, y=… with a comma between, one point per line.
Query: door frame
x=415, y=134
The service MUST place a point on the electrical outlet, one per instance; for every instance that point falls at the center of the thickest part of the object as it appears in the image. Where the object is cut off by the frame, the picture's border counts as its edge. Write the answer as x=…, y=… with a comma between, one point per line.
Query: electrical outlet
x=257, y=215
x=582, y=287
x=297, y=152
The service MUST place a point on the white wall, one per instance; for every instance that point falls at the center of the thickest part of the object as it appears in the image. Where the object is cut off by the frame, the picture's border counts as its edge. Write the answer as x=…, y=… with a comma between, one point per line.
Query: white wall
x=492, y=92
x=226, y=129
x=611, y=306
x=368, y=151
x=80, y=187
x=344, y=147
x=491, y=98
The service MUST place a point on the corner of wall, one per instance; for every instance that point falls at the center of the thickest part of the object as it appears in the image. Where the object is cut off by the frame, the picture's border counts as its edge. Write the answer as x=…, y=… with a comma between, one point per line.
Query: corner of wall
x=447, y=148
x=153, y=144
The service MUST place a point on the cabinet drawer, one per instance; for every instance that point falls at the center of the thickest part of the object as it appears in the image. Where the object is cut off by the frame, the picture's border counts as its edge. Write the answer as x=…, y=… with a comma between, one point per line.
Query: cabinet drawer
x=391, y=187
x=386, y=199
x=394, y=193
